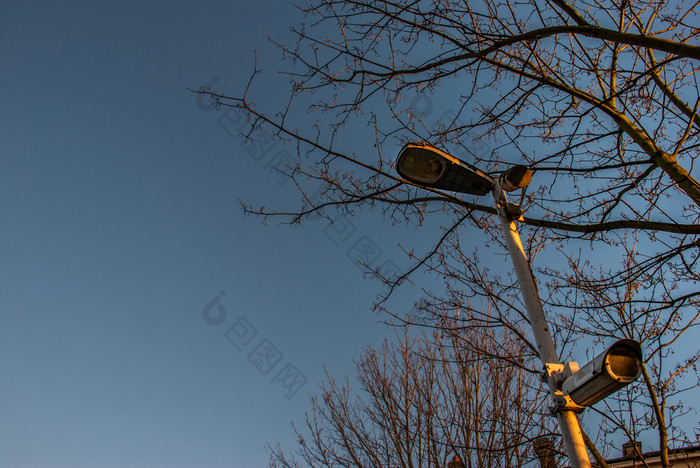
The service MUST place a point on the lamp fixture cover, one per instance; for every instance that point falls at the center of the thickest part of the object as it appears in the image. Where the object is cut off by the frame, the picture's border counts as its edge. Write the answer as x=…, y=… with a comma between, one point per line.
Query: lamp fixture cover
x=429, y=166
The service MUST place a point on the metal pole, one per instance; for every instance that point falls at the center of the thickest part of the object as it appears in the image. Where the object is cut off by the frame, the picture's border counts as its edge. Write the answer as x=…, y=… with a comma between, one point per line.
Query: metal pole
x=568, y=424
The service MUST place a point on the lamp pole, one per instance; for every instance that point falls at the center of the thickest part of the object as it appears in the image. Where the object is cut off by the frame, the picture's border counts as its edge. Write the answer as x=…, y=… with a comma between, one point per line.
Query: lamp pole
x=568, y=424
x=425, y=165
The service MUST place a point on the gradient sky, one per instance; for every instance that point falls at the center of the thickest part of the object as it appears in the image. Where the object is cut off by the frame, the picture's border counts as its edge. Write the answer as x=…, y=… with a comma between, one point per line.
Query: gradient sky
x=120, y=222
x=120, y=227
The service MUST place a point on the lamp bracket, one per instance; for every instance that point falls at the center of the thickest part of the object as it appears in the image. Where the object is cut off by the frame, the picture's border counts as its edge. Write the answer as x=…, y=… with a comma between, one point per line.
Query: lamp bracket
x=555, y=374
x=511, y=211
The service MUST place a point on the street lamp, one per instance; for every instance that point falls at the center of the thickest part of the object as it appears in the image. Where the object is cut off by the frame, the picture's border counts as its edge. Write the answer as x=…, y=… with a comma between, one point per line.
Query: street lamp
x=428, y=166
x=571, y=389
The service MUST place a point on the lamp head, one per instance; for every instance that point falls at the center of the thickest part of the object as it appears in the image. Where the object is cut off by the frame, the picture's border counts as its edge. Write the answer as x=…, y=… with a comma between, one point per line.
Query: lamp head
x=613, y=369
x=429, y=166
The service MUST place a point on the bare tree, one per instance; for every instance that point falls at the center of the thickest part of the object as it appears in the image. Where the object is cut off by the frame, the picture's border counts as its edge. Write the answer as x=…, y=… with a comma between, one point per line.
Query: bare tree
x=599, y=98
x=424, y=398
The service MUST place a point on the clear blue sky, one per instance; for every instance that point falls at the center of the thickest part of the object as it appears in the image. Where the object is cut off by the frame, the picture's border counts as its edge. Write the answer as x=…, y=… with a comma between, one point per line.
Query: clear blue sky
x=120, y=222
x=120, y=226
